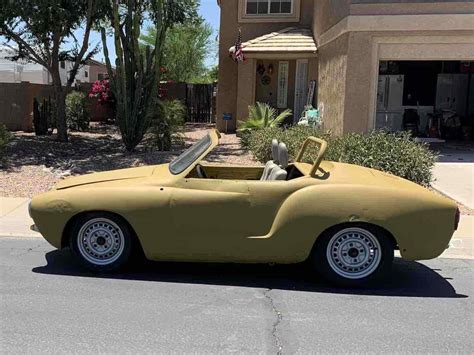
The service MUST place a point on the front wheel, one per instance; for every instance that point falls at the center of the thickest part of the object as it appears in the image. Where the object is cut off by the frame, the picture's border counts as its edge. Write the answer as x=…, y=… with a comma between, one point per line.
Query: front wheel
x=101, y=241
x=353, y=255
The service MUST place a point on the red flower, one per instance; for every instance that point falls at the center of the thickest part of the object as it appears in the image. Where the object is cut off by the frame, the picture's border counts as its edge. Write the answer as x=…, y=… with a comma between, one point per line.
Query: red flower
x=101, y=91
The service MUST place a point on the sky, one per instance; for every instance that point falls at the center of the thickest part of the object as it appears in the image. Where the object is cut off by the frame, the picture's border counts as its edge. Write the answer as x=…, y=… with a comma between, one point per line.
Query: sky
x=208, y=9
x=211, y=13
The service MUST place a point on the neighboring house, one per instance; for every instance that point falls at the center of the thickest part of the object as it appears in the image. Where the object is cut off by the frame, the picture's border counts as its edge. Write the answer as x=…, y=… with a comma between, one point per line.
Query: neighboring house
x=18, y=71
x=371, y=60
x=97, y=70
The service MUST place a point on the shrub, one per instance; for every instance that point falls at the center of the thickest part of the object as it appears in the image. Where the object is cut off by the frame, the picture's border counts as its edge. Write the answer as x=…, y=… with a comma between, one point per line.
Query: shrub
x=262, y=115
x=167, y=124
x=77, y=115
x=395, y=153
x=259, y=141
x=5, y=138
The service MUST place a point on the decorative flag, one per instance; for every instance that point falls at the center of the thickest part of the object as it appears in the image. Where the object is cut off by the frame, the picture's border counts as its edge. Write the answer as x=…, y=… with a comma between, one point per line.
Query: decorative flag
x=238, y=52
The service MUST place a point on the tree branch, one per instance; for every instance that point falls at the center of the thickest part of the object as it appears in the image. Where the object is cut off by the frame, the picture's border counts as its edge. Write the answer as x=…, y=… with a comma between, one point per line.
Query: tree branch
x=85, y=43
x=31, y=52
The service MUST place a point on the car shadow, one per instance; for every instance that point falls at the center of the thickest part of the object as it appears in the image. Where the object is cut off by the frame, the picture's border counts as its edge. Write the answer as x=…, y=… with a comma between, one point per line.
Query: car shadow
x=408, y=279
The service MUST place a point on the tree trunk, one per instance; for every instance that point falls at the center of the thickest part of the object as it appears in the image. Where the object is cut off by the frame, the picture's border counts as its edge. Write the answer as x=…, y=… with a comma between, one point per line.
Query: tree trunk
x=60, y=98
x=61, y=115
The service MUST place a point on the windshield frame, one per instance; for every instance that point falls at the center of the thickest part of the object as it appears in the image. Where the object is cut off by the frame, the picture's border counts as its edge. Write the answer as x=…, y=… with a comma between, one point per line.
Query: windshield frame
x=190, y=155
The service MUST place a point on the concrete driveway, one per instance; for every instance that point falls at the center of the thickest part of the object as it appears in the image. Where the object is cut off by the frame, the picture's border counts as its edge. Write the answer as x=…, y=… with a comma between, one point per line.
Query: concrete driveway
x=455, y=180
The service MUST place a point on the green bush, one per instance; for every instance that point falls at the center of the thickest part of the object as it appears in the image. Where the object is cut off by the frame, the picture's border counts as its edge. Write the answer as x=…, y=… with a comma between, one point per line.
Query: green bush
x=5, y=138
x=167, y=124
x=77, y=115
x=259, y=141
x=395, y=153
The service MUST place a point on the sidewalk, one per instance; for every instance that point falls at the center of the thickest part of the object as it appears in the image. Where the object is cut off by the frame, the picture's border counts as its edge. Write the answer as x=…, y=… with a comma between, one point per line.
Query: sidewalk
x=15, y=221
x=454, y=177
x=14, y=218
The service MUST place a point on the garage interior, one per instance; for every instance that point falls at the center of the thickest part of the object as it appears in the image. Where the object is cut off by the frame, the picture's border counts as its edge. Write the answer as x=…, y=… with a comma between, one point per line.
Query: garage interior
x=433, y=100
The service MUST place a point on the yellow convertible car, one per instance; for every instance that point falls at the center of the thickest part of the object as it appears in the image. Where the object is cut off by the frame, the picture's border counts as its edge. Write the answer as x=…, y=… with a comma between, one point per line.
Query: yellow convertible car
x=345, y=220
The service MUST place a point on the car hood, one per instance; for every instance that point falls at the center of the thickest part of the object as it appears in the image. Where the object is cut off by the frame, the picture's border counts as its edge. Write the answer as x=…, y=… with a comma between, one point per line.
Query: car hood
x=114, y=175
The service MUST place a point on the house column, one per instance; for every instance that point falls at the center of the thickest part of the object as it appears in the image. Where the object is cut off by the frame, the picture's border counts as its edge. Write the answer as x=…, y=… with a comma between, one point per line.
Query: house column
x=245, y=88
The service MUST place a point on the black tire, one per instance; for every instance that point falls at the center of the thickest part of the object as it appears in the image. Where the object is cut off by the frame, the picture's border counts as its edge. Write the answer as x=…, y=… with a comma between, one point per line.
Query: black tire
x=334, y=266
x=98, y=229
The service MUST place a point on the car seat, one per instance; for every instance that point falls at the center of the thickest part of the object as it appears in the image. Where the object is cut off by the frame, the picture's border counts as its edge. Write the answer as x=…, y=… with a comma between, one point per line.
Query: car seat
x=278, y=172
x=271, y=164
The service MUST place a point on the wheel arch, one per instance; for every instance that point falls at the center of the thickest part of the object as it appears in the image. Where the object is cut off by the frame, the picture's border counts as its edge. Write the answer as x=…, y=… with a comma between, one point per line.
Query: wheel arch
x=359, y=224
x=69, y=224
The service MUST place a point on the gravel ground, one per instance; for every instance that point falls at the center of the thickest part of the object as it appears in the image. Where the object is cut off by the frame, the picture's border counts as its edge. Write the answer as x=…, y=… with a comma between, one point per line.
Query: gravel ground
x=34, y=164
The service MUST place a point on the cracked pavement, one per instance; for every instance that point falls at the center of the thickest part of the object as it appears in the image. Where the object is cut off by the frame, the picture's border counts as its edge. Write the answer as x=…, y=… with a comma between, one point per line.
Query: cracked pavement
x=48, y=304
x=279, y=317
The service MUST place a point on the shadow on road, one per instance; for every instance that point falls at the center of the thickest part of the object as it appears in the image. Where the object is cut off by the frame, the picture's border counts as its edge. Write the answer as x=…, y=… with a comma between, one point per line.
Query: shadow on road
x=408, y=279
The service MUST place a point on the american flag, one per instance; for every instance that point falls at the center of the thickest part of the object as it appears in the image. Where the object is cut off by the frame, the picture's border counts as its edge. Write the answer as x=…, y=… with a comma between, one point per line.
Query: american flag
x=238, y=52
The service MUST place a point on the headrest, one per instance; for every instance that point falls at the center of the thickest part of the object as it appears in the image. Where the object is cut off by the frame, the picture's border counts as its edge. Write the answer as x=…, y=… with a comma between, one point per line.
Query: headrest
x=283, y=155
x=275, y=151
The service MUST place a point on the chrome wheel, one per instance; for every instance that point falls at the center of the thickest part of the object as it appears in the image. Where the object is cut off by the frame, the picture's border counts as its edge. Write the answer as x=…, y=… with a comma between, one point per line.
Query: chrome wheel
x=354, y=253
x=100, y=241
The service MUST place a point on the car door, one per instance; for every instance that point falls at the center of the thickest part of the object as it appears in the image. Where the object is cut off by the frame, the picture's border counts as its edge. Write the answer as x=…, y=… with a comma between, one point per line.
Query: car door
x=209, y=217
x=216, y=220
x=266, y=198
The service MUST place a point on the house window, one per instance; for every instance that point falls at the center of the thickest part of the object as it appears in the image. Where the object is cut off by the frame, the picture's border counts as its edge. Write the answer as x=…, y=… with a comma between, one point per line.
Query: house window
x=269, y=7
x=63, y=64
x=86, y=74
x=101, y=76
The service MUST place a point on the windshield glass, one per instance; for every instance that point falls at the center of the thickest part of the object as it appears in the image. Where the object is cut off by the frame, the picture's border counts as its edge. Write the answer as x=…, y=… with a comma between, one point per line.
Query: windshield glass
x=185, y=160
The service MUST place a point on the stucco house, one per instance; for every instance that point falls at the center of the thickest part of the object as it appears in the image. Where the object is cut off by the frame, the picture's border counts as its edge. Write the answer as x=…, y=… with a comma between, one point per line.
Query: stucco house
x=370, y=61
x=23, y=71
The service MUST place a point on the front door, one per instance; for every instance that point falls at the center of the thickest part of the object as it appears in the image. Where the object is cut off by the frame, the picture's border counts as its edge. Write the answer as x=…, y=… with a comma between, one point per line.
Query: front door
x=301, y=87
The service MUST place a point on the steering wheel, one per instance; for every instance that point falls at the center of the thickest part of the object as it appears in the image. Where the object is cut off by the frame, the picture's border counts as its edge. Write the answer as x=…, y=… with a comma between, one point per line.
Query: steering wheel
x=200, y=172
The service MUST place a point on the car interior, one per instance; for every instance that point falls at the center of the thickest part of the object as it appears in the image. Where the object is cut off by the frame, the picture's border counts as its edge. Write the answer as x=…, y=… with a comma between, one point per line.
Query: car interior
x=277, y=169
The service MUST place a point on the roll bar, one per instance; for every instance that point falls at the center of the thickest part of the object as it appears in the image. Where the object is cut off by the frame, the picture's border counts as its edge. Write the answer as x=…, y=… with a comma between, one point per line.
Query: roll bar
x=323, y=145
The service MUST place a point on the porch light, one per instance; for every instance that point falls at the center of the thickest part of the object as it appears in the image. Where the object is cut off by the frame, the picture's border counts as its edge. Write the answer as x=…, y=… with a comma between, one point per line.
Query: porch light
x=270, y=69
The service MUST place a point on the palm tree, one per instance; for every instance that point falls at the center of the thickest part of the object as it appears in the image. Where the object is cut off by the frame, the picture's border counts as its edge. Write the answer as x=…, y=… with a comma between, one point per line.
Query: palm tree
x=262, y=115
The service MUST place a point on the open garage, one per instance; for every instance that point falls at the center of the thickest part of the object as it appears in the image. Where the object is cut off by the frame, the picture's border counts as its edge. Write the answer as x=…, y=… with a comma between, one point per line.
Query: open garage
x=432, y=99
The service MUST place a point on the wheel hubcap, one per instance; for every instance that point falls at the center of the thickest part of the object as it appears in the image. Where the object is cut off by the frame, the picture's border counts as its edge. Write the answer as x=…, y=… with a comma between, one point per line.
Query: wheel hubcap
x=100, y=241
x=354, y=253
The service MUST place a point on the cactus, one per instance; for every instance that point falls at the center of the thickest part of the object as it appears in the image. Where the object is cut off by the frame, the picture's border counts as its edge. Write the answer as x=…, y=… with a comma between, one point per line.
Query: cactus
x=135, y=79
x=41, y=116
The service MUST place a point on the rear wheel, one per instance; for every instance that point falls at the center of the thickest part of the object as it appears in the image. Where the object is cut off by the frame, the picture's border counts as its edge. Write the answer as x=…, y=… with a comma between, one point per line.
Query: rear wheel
x=353, y=255
x=101, y=241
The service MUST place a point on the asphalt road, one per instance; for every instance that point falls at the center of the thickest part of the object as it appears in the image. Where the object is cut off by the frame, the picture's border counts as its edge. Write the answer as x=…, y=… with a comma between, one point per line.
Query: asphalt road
x=49, y=305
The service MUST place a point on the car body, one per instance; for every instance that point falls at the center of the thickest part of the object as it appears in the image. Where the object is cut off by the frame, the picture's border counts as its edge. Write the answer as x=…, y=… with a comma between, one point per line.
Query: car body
x=232, y=216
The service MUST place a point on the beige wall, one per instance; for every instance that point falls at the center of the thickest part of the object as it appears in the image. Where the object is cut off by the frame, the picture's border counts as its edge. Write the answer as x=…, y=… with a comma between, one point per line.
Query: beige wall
x=353, y=36
x=229, y=71
x=245, y=89
x=332, y=82
x=16, y=104
x=95, y=70
x=327, y=13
